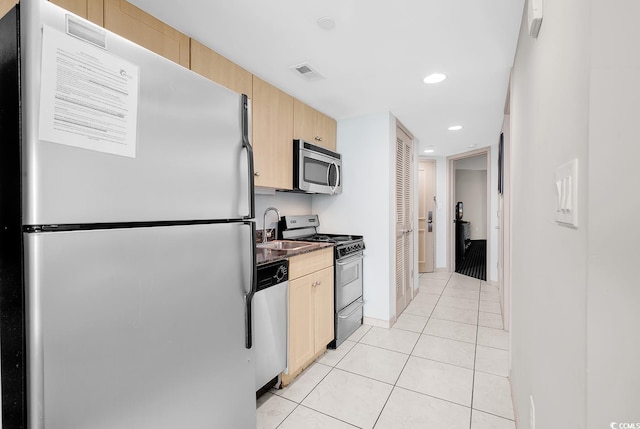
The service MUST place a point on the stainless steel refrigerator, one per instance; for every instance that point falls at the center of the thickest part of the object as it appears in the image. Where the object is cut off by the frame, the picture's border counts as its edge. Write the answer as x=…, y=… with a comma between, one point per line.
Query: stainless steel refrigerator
x=127, y=244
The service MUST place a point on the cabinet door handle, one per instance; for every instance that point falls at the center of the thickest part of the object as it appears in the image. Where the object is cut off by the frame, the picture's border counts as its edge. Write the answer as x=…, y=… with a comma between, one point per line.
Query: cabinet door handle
x=318, y=283
x=257, y=174
x=318, y=138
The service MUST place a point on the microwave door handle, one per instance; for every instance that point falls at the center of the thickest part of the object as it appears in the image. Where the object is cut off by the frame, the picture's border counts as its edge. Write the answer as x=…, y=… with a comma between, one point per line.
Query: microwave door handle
x=333, y=188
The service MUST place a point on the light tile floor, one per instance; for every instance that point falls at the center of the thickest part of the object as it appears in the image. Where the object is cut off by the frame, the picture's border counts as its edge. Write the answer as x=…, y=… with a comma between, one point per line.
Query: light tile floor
x=444, y=364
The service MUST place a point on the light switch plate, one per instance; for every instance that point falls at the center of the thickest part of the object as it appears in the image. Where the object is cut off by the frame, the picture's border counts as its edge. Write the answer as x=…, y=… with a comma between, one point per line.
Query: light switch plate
x=567, y=194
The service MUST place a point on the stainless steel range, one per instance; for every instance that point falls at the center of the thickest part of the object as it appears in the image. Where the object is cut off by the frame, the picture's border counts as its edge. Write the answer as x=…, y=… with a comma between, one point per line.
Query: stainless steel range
x=347, y=271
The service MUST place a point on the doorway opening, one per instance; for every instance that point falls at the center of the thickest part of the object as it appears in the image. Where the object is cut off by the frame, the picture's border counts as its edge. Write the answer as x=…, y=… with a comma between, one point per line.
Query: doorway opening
x=469, y=203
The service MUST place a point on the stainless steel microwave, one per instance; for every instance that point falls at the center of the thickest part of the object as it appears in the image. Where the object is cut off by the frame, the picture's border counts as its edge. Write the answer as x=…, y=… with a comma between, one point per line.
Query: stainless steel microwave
x=316, y=170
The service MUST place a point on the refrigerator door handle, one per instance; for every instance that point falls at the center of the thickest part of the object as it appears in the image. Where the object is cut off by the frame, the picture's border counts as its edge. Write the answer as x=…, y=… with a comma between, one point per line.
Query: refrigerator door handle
x=248, y=297
x=246, y=144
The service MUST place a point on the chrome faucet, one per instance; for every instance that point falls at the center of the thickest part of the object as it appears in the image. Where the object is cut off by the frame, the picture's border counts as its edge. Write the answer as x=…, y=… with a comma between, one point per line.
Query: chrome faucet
x=264, y=223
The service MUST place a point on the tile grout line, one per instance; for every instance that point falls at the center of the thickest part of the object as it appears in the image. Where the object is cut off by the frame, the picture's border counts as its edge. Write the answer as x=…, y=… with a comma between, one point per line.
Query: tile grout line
x=395, y=384
x=323, y=413
x=475, y=355
x=446, y=363
x=287, y=416
x=435, y=397
x=299, y=404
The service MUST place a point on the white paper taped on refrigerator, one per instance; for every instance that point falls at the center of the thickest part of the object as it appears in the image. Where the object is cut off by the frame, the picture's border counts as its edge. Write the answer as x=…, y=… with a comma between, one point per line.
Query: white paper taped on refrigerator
x=89, y=97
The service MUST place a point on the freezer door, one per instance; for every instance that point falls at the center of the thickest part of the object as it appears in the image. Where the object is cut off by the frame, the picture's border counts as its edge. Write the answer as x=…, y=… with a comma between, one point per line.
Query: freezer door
x=140, y=328
x=189, y=161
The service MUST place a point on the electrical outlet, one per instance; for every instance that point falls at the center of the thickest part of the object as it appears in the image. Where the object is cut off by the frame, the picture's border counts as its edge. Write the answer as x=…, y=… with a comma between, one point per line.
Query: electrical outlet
x=532, y=413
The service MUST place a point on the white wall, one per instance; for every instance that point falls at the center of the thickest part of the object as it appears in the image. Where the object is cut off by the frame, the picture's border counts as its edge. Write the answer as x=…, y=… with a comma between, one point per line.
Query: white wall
x=365, y=206
x=493, y=234
x=478, y=162
x=613, y=288
x=549, y=127
x=471, y=189
x=575, y=318
x=287, y=203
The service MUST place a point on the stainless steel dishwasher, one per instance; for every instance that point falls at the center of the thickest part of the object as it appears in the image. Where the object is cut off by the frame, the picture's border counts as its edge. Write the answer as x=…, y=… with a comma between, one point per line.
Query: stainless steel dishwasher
x=270, y=323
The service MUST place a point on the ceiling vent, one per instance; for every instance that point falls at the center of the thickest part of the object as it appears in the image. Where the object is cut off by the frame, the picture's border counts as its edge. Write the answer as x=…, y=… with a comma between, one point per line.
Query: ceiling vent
x=307, y=72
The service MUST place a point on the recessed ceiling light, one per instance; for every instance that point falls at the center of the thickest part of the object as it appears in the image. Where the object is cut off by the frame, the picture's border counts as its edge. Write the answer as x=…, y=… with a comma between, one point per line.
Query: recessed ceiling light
x=429, y=151
x=435, y=78
x=455, y=127
x=326, y=23
x=472, y=145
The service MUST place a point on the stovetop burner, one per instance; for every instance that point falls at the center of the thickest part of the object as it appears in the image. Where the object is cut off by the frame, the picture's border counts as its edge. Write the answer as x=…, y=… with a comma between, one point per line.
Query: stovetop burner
x=329, y=238
x=304, y=228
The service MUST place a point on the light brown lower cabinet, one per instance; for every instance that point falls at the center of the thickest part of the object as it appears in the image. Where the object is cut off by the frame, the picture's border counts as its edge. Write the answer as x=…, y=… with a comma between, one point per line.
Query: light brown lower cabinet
x=310, y=310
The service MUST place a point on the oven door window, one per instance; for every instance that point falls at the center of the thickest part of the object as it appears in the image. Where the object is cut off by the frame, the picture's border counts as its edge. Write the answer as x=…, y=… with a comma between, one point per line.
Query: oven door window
x=349, y=274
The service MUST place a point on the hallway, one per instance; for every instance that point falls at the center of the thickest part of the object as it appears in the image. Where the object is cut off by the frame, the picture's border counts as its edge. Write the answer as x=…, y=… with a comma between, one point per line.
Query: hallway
x=444, y=364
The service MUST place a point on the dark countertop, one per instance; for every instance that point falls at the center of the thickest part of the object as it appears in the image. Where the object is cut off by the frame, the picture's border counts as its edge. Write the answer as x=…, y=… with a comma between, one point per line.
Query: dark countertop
x=265, y=256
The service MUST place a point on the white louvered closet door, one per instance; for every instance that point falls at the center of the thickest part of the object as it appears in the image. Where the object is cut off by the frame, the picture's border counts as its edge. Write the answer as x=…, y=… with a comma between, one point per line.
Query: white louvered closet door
x=404, y=216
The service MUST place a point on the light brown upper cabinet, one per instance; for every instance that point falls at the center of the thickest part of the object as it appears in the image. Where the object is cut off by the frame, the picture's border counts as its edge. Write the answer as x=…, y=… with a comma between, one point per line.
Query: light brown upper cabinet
x=214, y=66
x=327, y=129
x=272, y=136
x=93, y=10
x=6, y=6
x=313, y=126
x=138, y=26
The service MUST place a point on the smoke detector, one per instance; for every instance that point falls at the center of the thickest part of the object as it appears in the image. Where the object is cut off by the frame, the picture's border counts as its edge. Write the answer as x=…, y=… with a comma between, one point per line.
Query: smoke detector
x=307, y=72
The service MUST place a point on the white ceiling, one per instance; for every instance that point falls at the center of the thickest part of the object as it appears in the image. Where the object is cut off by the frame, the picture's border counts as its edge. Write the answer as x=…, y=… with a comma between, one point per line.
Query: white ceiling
x=374, y=59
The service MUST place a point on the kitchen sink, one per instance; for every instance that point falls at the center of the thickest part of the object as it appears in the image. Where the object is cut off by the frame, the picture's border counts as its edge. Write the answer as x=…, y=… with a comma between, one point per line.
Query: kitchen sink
x=284, y=245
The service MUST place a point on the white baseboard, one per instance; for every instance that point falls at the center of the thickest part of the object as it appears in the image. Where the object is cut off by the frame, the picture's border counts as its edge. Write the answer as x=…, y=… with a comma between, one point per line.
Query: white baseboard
x=442, y=270
x=386, y=324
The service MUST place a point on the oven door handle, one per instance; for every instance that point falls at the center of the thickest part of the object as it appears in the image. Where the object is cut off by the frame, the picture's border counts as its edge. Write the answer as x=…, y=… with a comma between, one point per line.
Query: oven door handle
x=350, y=260
x=360, y=304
